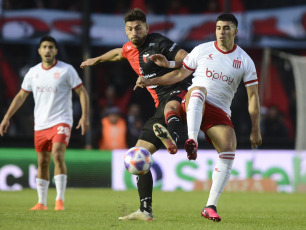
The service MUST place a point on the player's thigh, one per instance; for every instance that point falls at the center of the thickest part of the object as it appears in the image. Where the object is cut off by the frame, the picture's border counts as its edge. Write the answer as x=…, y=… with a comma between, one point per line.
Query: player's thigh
x=146, y=145
x=58, y=151
x=173, y=100
x=223, y=138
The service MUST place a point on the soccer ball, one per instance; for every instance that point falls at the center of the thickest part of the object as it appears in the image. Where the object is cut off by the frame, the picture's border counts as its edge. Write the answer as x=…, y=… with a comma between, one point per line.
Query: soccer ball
x=138, y=160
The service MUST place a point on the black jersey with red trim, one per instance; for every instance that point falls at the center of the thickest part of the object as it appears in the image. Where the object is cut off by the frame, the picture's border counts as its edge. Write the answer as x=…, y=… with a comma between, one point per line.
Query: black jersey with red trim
x=142, y=65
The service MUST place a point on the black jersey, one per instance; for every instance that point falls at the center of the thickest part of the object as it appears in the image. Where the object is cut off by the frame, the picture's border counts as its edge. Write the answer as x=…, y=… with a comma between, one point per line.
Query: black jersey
x=142, y=65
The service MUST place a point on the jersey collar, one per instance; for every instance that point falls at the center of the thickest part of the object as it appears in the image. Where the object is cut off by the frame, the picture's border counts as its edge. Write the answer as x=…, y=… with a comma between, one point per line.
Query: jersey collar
x=225, y=52
x=50, y=66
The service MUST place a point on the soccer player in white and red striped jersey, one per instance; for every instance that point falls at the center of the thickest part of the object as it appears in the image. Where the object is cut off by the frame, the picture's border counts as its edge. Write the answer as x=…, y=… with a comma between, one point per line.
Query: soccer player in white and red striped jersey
x=51, y=82
x=218, y=67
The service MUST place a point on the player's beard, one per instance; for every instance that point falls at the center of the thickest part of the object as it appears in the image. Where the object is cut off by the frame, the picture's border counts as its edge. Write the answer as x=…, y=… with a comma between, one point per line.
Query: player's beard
x=139, y=41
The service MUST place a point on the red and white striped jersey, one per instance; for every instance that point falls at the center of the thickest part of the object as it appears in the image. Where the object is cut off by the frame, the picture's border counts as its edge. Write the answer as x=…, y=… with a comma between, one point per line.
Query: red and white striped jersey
x=220, y=72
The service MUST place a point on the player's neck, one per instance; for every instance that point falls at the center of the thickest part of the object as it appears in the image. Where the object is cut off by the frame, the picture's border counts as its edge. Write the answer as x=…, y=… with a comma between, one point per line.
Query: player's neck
x=48, y=65
x=226, y=46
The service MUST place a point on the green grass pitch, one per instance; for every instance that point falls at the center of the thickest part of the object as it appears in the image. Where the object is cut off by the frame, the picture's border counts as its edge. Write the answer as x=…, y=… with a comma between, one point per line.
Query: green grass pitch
x=100, y=209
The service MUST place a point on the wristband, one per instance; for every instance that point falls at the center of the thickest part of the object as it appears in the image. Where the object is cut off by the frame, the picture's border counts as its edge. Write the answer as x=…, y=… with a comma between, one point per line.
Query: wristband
x=171, y=64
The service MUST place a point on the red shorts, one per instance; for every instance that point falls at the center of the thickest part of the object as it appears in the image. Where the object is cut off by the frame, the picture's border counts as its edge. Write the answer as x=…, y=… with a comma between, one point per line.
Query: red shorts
x=212, y=116
x=43, y=139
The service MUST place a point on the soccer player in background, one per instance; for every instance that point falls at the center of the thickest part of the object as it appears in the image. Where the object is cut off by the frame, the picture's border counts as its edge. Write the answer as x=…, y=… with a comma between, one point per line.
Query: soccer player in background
x=51, y=82
x=167, y=98
x=218, y=67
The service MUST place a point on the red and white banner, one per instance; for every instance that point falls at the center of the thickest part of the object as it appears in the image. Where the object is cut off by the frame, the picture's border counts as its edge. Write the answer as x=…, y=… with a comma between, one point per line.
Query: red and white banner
x=274, y=28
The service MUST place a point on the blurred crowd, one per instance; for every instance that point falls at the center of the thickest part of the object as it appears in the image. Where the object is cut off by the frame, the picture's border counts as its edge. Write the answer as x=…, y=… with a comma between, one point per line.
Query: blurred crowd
x=152, y=6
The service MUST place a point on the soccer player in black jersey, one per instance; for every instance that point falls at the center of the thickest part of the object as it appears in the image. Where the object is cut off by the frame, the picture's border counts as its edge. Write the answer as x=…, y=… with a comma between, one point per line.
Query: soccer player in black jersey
x=167, y=98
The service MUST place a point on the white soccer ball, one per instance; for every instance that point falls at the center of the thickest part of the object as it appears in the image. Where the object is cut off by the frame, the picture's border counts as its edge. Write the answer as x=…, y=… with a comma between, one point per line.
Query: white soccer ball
x=138, y=160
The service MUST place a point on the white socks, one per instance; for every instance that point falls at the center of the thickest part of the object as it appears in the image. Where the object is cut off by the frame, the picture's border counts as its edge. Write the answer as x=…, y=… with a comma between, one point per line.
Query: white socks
x=221, y=175
x=42, y=190
x=60, y=183
x=195, y=113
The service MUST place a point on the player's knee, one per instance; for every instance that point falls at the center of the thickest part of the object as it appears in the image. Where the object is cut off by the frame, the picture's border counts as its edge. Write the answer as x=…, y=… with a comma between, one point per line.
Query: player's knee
x=43, y=161
x=173, y=106
x=58, y=156
x=203, y=89
x=229, y=147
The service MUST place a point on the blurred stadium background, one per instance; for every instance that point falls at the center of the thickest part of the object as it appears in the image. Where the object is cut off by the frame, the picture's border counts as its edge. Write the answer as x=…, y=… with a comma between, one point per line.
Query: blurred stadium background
x=272, y=32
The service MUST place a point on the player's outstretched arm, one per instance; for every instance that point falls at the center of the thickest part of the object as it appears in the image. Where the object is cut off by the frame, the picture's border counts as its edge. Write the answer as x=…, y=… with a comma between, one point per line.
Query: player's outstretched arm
x=162, y=61
x=84, y=101
x=15, y=105
x=254, y=111
x=167, y=79
x=112, y=55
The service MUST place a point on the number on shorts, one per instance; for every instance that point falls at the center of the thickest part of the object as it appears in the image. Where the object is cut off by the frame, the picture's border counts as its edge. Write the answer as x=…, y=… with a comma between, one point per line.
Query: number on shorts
x=63, y=130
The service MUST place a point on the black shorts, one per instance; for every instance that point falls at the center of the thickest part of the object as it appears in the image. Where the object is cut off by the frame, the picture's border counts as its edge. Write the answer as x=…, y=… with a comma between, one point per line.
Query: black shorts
x=147, y=134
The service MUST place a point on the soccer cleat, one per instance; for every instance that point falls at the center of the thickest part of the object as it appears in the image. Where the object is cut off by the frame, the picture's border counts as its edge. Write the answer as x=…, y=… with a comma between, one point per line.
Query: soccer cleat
x=138, y=215
x=59, y=205
x=210, y=213
x=191, y=148
x=39, y=206
x=162, y=133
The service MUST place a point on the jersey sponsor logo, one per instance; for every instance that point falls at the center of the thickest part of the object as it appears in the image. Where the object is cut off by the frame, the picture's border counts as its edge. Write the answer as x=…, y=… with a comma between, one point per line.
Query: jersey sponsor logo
x=56, y=75
x=175, y=91
x=151, y=44
x=141, y=71
x=210, y=57
x=172, y=47
x=173, y=119
x=145, y=57
x=237, y=64
x=148, y=76
x=46, y=89
x=217, y=170
x=219, y=76
x=152, y=86
x=128, y=47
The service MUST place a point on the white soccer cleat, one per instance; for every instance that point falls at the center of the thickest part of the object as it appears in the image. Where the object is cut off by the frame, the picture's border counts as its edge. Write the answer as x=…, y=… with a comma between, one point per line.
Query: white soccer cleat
x=162, y=133
x=138, y=215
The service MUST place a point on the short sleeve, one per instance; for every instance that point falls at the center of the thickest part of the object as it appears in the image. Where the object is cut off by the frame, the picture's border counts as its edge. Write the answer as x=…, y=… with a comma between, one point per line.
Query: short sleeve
x=123, y=52
x=250, y=76
x=168, y=48
x=26, y=83
x=190, y=61
x=74, y=79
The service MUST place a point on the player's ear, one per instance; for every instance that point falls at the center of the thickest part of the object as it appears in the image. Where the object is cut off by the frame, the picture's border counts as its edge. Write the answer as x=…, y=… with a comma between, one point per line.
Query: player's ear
x=147, y=28
x=236, y=32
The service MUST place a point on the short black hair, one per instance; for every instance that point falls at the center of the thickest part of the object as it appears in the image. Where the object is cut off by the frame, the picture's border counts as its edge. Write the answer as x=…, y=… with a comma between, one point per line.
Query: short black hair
x=48, y=38
x=228, y=17
x=134, y=15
